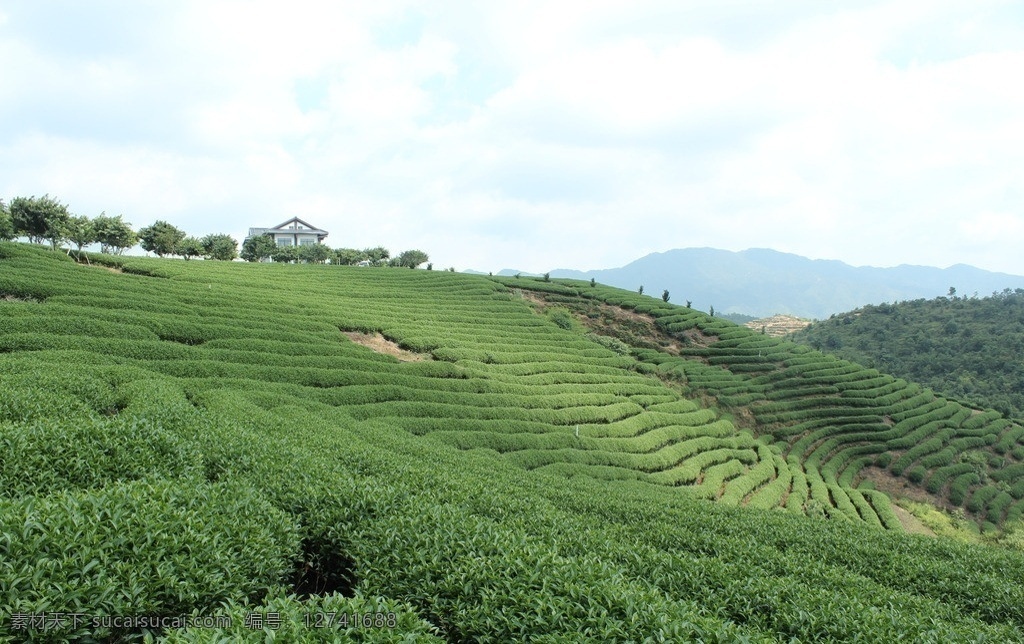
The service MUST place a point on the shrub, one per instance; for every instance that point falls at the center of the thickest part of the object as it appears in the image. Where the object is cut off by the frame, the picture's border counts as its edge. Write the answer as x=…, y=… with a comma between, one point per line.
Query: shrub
x=561, y=317
x=91, y=453
x=163, y=548
x=916, y=474
x=327, y=618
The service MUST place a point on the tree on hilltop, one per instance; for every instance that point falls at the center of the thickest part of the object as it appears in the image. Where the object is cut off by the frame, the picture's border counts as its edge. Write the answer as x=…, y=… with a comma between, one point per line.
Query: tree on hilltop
x=258, y=248
x=378, y=256
x=285, y=254
x=410, y=259
x=40, y=218
x=189, y=247
x=81, y=232
x=6, y=223
x=219, y=246
x=114, y=234
x=161, y=238
x=348, y=256
x=315, y=253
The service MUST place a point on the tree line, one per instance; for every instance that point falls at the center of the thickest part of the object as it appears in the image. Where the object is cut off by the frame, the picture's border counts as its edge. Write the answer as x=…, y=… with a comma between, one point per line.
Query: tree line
x=45, y=219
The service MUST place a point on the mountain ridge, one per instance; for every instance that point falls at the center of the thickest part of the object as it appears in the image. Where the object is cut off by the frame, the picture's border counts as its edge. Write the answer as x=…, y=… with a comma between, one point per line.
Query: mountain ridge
x=763, y=282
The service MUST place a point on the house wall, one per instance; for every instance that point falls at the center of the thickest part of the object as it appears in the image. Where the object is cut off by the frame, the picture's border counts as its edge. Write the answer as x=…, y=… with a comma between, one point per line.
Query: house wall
x=293, y=239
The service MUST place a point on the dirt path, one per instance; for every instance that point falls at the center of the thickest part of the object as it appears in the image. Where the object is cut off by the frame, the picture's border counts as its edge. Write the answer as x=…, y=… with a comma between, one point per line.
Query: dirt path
x=380, y=344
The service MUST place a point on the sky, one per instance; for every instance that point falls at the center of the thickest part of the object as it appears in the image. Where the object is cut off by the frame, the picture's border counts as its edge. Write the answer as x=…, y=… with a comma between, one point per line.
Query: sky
x=533, y=135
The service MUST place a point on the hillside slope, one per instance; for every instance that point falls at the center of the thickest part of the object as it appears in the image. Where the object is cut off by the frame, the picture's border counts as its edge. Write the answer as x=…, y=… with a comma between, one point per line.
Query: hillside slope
x=967, y=348
x=205, y=438
x=837, y=429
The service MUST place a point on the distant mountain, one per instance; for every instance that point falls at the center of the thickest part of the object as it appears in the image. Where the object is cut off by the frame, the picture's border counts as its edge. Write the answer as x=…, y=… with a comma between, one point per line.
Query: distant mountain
x=763, y=282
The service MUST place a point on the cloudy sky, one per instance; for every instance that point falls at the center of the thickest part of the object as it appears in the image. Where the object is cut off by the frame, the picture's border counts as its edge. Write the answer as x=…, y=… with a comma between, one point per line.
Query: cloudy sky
x=534, y=135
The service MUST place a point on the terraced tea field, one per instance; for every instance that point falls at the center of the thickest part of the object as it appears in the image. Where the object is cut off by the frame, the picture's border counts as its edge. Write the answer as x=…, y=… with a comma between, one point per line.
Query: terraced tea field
x=834, y=426
x=206, y=438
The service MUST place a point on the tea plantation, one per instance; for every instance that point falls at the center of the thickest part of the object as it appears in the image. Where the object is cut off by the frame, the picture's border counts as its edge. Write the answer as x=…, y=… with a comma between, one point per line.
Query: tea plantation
x=204, y=439
x=834, y=426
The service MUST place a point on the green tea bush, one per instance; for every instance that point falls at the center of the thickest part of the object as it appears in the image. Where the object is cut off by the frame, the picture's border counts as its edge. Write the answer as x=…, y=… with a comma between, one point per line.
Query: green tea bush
x=997, y=507
x=328, y=618
x=140, y=548
x=770, y=495
x=91, y=452
x=269, y=461
x=939, y=476
x=960, y=486
x=737, y=489
x=980, y=498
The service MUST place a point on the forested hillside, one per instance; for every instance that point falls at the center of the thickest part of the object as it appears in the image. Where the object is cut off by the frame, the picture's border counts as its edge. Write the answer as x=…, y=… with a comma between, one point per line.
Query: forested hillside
x=970, y=349
x=293, y=452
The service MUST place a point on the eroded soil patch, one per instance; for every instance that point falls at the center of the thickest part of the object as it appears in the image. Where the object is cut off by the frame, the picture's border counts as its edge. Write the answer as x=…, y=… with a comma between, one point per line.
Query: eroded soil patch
x=633, y=328
x=911, y=523
x=10, y=297
x=380, y=344
x=898, y=487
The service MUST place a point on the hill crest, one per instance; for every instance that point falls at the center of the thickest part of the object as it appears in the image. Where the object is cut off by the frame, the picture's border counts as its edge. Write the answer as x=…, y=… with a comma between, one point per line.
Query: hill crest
x=764, y=282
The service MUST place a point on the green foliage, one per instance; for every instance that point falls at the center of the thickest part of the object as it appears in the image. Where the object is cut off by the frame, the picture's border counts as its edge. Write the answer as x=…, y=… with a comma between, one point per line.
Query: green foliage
x=258, y=248
x=958, y=346
x=285, y=254
x=92, y=453
x=189, y=247
x=114, y=234
x=410, y=259
x=327, y=618
x=80, y=231
x=40, y=218
x=161, y=238
x=348, y=256
x=6, y=223
x=314, y=253
x=222, y=247
x=616, y=345
x=377, y=256
x=562, y=317
x=203, y=439
x=665, y=297
x=139, y=548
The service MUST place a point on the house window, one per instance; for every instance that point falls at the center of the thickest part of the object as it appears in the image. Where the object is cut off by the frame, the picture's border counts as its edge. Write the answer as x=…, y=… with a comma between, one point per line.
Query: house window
x=306, y=242
x=284, y=241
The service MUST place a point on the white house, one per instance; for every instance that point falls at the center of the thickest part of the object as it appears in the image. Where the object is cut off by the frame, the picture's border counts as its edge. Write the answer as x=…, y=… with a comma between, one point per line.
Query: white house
x=294, y=232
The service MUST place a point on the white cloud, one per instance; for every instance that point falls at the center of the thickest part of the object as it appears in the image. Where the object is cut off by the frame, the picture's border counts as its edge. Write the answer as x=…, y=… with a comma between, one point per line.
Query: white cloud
x=536, y=134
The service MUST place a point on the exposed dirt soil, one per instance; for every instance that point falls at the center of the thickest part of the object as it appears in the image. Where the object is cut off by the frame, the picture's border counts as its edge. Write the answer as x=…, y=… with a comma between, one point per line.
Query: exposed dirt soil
x=380, y=344
x=635, y=329
x=15, y=298
x=777, y=326
x=898, y=487
x=911, y=523
x=895, y=486
x=744, y=418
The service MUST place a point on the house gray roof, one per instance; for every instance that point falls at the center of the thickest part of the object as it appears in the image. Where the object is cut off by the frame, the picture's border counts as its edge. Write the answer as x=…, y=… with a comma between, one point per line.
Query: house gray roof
x=292, y=226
